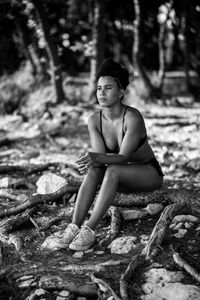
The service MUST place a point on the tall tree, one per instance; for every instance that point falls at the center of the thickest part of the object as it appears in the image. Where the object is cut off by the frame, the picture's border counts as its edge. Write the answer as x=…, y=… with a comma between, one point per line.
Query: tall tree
x=98, y=38
x=51, y=50
x=151, y=89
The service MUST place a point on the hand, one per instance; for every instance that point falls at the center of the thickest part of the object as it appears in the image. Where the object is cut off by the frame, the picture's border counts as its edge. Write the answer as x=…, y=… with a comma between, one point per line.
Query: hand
x=85, y=161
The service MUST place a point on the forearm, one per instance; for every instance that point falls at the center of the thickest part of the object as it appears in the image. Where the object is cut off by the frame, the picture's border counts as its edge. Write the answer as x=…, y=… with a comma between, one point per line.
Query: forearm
x=108, y=159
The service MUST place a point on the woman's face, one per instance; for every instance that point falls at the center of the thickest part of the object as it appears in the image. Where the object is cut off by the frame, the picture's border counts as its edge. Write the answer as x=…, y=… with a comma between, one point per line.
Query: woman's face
x=108, y=93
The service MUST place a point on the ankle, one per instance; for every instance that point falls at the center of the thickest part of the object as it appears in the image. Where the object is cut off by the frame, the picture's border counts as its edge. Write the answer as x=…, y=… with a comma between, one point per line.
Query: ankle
x=90, y=228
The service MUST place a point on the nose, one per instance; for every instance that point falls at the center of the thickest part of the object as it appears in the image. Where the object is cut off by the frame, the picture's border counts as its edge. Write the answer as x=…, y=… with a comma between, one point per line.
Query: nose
x=102, y=91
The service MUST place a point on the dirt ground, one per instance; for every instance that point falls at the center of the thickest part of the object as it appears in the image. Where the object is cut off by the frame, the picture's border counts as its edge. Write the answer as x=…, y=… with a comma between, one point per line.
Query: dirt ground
x=58, y=138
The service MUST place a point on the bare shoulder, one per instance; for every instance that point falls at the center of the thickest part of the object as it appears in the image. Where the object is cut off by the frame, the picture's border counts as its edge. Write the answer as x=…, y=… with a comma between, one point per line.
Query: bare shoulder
x=93, y=119
x=134, y=115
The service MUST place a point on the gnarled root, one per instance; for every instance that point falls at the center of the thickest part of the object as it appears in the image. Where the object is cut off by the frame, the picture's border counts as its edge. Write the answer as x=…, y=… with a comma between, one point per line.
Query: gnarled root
x=105, y=287
x=184, y=265
x=116, y=223
x=161, y=226
x=137, y=260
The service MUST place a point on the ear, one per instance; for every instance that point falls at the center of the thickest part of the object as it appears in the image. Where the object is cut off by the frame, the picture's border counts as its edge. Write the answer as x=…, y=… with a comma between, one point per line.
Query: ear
x=121, y=93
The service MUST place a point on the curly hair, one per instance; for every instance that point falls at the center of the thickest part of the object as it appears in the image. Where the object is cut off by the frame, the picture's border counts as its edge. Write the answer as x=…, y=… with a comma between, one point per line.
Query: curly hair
x=111, y=68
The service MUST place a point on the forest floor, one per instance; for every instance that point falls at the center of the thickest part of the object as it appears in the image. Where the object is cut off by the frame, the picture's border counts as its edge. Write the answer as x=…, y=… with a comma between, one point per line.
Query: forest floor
x=57, y=135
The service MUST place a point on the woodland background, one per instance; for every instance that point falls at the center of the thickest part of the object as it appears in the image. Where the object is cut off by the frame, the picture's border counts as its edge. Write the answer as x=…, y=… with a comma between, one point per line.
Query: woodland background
x=49, y=54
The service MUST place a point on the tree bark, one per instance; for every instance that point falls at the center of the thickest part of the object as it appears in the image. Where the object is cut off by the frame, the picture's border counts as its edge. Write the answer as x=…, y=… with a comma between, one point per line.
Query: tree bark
x=186, y=46
x=137, y=49
x=161, y=49
x=52, y=52
x=98, y=35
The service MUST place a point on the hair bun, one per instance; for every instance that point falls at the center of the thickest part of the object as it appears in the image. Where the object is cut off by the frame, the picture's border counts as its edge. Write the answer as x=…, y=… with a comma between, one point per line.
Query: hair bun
x=111, y=68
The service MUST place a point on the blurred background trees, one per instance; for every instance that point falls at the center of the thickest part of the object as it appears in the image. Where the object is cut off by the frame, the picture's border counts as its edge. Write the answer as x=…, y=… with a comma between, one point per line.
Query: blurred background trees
x=70, y=38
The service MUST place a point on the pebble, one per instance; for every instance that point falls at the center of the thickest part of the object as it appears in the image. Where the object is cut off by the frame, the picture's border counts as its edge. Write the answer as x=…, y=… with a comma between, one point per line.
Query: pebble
x=78, y=254
x=181, y=233
x=99, y=252
x=63, y=295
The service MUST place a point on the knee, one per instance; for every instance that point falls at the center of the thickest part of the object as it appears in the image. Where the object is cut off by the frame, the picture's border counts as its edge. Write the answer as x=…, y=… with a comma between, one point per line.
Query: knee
x=95, y=172
x=113, y=171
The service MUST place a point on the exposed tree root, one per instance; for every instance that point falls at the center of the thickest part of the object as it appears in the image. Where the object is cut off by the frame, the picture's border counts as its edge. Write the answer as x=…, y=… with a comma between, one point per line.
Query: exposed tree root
x=137, y=260
x=116, y=223
x=53, y=282
x=161, y=226
x=184, y=265
x=105, y=287
x=13, y=222
x=27, y=169
x=10, y=224
x=39, y=199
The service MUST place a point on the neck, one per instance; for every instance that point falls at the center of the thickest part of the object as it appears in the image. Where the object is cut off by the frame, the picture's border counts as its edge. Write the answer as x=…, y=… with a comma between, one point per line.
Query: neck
x=113, y=113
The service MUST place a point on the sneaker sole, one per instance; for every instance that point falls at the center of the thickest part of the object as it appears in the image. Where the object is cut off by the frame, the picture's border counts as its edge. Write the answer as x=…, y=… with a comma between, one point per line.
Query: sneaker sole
x=80, y=248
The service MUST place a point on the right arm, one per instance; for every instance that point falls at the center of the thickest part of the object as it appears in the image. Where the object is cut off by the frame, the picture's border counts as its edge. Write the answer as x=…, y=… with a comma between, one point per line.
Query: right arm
x=96, y=139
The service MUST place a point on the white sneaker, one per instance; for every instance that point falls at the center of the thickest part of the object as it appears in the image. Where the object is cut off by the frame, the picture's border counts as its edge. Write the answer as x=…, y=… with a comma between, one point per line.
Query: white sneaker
x=67, y=236
x=83, y=240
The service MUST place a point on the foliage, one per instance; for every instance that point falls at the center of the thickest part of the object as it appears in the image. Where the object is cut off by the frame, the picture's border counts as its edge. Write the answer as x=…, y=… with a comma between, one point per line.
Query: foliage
x=71, y=23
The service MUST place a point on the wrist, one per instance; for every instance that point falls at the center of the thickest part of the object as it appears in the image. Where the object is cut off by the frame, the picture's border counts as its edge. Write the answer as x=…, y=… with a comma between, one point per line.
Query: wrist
x=93, y=156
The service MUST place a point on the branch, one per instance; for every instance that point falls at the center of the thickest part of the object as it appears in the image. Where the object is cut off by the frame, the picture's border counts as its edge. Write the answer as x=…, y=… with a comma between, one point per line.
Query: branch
x=184, y=265
x=160, y=228
x=137, y=260
x=39, y=199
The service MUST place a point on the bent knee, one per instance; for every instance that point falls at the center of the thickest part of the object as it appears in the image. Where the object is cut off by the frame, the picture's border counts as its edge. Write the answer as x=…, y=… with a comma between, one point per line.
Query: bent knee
x=113, y=170
x=96, y=171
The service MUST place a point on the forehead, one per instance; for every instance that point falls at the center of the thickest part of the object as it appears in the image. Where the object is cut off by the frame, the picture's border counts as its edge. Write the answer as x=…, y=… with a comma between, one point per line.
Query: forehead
x=107, y=80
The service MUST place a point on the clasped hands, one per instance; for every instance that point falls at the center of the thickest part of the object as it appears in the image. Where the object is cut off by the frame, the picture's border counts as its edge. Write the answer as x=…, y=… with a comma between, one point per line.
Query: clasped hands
x=85, y=161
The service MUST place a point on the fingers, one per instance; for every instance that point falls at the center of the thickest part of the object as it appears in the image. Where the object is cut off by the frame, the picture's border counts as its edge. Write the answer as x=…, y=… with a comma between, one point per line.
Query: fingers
x=83, y=159
x=83, y=169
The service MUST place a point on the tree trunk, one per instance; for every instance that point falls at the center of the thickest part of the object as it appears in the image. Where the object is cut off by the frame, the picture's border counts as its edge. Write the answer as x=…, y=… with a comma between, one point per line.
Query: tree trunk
x=186, y=46
x=51, y=50
x=98, y=35
x=161, y=49
x=137, y=50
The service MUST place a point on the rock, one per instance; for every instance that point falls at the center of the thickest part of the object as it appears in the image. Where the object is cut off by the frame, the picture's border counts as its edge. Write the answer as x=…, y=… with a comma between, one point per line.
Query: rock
x=185, y=218
x=194, y=164
x=174, y=291
x=51, y=242
x=188, y=225
x=181, y=233
x=154, y=208
x=63, y=295
x=40, y=292
x=144, y=239
x=99, y=252
x=131, y=214
x=123, y=245
x=178, y=225
x=78, y=254
x=156, y=278
x=50, y=183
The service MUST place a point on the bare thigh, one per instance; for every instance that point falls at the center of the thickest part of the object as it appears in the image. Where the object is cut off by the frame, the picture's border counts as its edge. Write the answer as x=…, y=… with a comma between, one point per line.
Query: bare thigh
x=137, y=178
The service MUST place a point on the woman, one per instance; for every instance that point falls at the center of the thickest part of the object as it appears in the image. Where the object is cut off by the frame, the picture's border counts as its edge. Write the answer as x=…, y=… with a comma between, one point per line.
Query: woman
x=121, y=158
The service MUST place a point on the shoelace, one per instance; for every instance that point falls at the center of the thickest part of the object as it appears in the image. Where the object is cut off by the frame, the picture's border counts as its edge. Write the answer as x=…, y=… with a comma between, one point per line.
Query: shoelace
x=83, y=233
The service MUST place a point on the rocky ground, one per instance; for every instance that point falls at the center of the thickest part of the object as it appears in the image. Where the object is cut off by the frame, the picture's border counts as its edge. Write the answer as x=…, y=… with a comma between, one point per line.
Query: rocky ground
x=32, y=147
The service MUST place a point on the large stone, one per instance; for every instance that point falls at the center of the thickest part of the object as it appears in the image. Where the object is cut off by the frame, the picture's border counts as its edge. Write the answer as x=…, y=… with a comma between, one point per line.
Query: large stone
x=51, y=242
x=154, y=208
x=50, y=183
x=123, y=245
x=174, y=291
x=156, y=278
